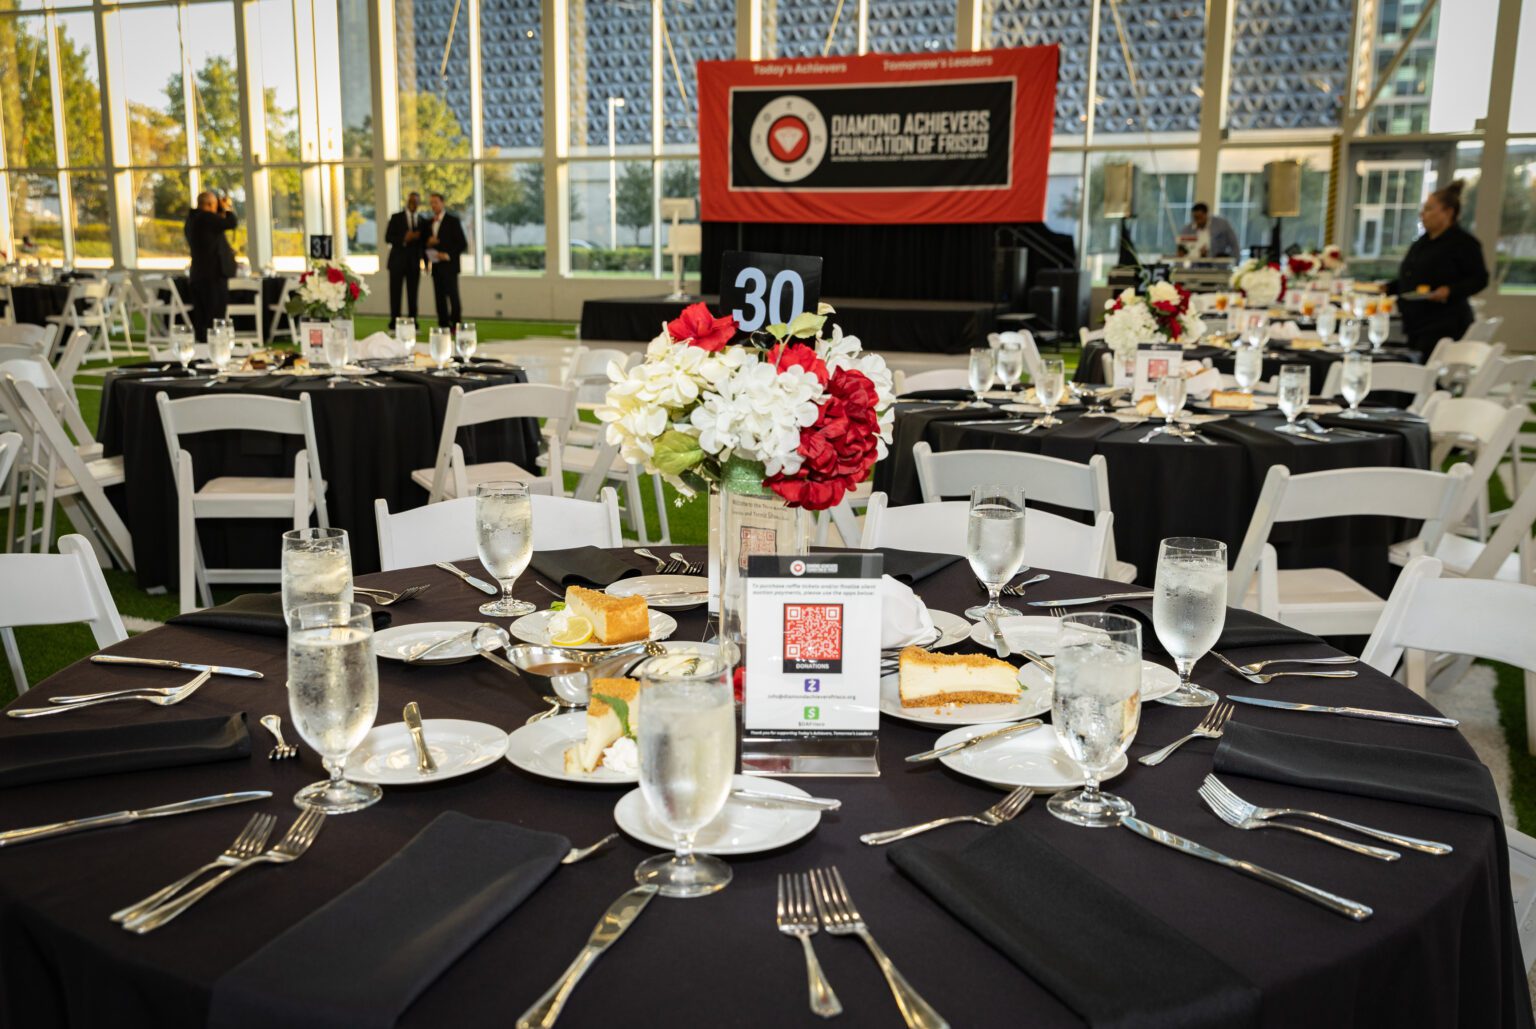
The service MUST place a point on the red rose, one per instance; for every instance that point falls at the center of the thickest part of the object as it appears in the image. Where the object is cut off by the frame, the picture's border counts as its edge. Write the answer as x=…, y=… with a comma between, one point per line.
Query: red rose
x=1166, y=307
x=334, y=274
x=837, y=452
x=352, y=290
x=798, y=355
x=702, y=329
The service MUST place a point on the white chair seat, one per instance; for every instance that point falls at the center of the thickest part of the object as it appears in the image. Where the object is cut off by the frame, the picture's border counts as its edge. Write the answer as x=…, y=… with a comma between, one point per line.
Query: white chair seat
x=1324, y=601
x=475, y=474
x=90, y=452
x=1458, y=554
x=107, y=471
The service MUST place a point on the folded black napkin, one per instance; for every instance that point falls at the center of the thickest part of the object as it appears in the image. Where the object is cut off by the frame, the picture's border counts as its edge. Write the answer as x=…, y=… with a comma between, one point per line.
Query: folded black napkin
x=359, y=961
x=1409, y=776
x=910, y=566
x=49, y=756
x=939, y=394
x=1242, y=629
x=1078, y=936
x=583, y=566
x=1413, y=429
x=258, y=613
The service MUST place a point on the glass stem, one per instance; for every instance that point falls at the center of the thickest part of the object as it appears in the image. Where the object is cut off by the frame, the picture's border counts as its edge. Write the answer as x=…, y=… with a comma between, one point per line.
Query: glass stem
x=685, y=848
x=994, y=594
x=335, y=769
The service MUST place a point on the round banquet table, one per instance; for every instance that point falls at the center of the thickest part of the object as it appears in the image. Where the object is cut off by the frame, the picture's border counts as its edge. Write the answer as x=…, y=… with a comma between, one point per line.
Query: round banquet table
x=1430, y=955
x=1166, y=487
x=370, y=440
x=37, y=302
x=1090, y=365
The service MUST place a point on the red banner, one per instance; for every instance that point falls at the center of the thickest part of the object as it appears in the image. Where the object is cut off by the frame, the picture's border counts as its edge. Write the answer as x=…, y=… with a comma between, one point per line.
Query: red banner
x=884, y=138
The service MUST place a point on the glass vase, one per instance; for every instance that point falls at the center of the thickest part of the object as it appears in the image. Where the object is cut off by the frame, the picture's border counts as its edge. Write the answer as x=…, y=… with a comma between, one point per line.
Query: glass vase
x=747, y=518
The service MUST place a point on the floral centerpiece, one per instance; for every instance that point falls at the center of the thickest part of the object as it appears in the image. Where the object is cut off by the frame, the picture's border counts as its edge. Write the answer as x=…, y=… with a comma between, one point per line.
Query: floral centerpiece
x=1262, y=283
x=329, y=289
x=1312, y=265
x=1162, y=315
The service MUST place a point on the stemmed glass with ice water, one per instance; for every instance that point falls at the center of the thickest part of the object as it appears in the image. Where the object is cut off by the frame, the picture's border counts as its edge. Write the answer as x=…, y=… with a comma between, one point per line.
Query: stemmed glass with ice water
x=1256, y=329
x=994, y=544
x=333, y=696
x=1189, y=609
x=1327, y=322
x=1048, y=387
x=687, y=744
x=1170, y=393
x=466, y=341
x=440, y=346
x=1247, y=367
x=317, y=566
x=1378, y=327
x=1356, y=383
x=1095, y=709
x=982, y=367
x=1349, y=333
x=183, y=345
x=1010, y=363
x=221, y=344
x=1295, y=384
x=504, y=541
x=335, y=344
x=405, y=335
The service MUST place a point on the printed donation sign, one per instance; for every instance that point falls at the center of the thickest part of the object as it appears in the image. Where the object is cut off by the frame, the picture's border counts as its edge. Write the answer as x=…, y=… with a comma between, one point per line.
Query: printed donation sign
x=879, y=139
x=811, y=699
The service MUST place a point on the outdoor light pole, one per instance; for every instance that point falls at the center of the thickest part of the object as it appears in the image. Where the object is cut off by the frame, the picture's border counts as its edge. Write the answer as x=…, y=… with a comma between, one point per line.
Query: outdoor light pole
x=613, y=174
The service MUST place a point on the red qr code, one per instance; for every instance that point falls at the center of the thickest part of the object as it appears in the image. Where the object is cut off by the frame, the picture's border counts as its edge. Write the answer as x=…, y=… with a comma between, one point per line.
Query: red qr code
x=813, y=632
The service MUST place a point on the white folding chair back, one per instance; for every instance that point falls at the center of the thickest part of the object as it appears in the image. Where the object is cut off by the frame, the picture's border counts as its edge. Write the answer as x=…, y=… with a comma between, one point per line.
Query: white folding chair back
x=1512, y=378
x=939, y=378
x=10, y=446
x=249, y=308
x=1468, y=360
x=71, y=354
x=123, y=301
x=588, y=372
x=1050, y=541
x=163, y=307
x=1025, y=339
x=86, y=308
x=61, y=589
x=1484, y=430
x=238, y=496
x=450, y=477
x=1484, y=329
x=24, y=334
x=279, y=319
x=1390, y=376
x=446, y=531
x=62, y=399
x=1326, y=601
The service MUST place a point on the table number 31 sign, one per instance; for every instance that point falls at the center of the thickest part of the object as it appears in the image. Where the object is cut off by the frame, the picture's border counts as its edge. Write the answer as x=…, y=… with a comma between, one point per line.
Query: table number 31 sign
x=760, y=290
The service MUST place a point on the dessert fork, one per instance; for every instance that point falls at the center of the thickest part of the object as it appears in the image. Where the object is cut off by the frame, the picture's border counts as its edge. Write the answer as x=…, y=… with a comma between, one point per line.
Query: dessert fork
x=384, y=598
x=1234, y=816
x=1259, y=666
x=291, y=847
x=251, y=841
x=1261, y=679
x=796, y=916
x=160, y=700
x=840, y=917
x=1003, y=811
x=1211, y=727
x=284, y=750
x=683, y=566
x=661, y=566
x=1251, y=810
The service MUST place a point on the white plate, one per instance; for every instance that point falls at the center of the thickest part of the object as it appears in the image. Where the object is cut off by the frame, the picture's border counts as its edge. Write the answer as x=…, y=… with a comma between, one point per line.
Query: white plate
x=741, y=827
x=1156, y=682
x=1023, y=632
x=387, y=755
x=398, y=641
x=534, y=629
x=952, y=628
x=1034, y=701
x=1034, y=758
x=540, y=748
x=648, y=586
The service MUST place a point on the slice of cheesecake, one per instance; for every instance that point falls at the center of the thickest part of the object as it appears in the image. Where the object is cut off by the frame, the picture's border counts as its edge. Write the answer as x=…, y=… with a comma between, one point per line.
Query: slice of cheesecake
x=1231, y=400
x=604, y=726
x=614, y=619
x=933, y=680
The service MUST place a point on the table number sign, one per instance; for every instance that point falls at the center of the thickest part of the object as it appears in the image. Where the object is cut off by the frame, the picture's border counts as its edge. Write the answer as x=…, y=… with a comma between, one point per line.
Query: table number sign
x=811, y=696
x=320, y=247
x=1153, y=361
x=760, y=290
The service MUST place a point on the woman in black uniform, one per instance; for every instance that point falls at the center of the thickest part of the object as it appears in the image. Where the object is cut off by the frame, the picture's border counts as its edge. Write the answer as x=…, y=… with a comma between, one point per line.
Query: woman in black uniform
x=1449, y=261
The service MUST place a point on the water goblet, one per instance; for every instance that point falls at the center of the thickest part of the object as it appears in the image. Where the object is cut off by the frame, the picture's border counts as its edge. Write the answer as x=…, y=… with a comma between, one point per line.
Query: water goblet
x=1327, y=322
x=1048, y=388
x=465, y=341
x=1095, y=709
x=504, y=541
x=981, y=369
x=333, y=697
x=1256, y=328
x=1295, y=385
x=221, y=347
x=344, y=333
x=1356, y=382
x=1378, y=327
x=1170, y=393
x=1189, y=608
x=1247, y=367
x=1349, y=333
x=317, y=567
x=440, y=347
x=1010, y=363
x=994, y=544
x=183, y=345
x=405, y=334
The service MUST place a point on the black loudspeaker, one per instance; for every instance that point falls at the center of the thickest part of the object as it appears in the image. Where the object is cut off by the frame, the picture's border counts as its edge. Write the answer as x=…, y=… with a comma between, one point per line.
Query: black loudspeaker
x=1282, y=189
x=1010, y=273
x=1119, y=189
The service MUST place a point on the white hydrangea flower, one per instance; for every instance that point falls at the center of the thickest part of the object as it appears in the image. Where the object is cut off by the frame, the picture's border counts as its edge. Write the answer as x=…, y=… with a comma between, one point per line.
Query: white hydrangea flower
x=1132, y=324
x=1163, y=292
x=758, y=413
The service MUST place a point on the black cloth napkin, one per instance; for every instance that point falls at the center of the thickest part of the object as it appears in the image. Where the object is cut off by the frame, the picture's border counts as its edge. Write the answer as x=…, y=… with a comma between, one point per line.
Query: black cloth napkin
x=359, y=961
x=1077, y=440
x=583, y=566
x=1078, y=936
x=1264, y=446
x=938, y=394
x=257, y=613
x=27, y=758
x=910, y=567
x=1242, y=629
x=1392, y=773
x=1413, y=430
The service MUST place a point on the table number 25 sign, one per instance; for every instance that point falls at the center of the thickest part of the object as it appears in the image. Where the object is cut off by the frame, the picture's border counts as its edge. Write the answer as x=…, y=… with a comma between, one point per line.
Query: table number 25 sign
x=760, y=290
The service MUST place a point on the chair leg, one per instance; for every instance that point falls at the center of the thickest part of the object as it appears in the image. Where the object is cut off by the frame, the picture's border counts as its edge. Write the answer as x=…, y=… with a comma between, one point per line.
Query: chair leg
x=13, y=655
x=204, y=589
x=661, y=510
x=186, y=563
x=1530, y=712
x=636, y=506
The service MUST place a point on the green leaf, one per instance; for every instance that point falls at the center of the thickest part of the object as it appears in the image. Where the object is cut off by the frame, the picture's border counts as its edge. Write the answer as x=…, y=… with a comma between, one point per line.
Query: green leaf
x=620, y=708
x=676, y=452
x=777, y=331
x=558, y=605
x=807, y=324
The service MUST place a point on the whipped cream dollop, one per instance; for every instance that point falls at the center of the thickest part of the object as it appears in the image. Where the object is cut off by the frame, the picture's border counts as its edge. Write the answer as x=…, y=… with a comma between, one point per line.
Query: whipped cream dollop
x=623, y=757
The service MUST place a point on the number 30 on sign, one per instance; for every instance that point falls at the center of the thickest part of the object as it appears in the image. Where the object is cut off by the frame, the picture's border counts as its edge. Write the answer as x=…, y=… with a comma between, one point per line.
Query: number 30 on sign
x=768, y=289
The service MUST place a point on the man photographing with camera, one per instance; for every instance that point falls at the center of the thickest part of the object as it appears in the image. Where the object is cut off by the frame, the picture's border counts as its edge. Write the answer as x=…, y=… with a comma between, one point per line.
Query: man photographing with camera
x=213, y=259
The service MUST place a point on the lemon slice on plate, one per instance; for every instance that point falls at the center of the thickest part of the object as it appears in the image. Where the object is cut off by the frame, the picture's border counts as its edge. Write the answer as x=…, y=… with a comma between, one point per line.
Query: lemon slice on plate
x=570, y=631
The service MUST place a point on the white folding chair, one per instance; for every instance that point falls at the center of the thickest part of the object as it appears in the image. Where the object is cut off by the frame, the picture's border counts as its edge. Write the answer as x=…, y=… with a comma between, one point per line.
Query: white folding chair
x=1391, y=376
x=450, y=477
x=123, y=302
x=1510, y=385
x=446, y=531
x=1481, y=429
x=1050, y=540
x=281, y=321
x=86, y=308
x=246, y=286
x=1484, y=329
x=1327, y=601
x=1469, y=362
x=61, y=588
x=939, y=378
x=1045, y=480
x=163, y=308
x=24, y=334
x=238, y=496
x=60, y=396
x=10, y=448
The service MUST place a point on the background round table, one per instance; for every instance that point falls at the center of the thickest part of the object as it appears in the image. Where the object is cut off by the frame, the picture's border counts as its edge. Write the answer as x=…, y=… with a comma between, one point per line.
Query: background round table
x=1090, y=366
x=37, y=302
x=370, y=440
x=1171, y=488
x=1430, y=956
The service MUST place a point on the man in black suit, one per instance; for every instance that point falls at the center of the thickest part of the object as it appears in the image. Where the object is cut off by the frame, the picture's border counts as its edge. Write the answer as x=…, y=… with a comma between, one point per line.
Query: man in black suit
x=445, y=243
x=405, y=236
x=213, y=260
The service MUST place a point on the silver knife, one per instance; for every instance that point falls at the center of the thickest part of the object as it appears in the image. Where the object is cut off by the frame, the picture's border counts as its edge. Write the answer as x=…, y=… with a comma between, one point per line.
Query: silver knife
x=1353, y=712
x=73, y=825
x=997, y=637
x=479, y=584
x=1074, y=601
x=788, y=800
x=619, y=916
x=955, y=748
x=160, y=662
x=1332, y=901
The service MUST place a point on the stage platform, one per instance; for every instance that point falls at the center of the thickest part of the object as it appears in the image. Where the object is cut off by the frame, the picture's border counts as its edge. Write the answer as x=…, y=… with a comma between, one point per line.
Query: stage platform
x=916, y=326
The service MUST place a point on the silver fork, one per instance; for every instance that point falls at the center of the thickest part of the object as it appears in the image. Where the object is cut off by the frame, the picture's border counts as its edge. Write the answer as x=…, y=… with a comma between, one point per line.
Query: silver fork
x=997, y=814
x=1058, y=612
x=1251, y=810
x=1223, y=809
x=384, y=598
x=168, y=700
x=250, y=842
x=661, y=566
x=1017, y=589
x=796, y=916
x=284, y=750
x=1211, y=727
x=688, y=567
x=1347, y=673
x=1258, y=666
x=291, y=847
x=840, y=918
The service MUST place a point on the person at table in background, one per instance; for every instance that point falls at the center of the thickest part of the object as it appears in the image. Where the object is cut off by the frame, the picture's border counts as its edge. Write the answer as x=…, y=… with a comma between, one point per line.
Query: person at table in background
x=406, y=236
x=1214, y=237
x=445, y=243
x=213, y=259
x=1442, y=268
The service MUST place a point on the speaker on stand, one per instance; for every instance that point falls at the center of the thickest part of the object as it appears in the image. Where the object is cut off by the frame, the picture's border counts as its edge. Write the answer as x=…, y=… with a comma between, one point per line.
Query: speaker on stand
x=1282, y=199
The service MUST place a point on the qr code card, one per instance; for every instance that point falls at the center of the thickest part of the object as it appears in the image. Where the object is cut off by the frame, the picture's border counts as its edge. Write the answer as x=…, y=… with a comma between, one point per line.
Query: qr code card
x=813, y=638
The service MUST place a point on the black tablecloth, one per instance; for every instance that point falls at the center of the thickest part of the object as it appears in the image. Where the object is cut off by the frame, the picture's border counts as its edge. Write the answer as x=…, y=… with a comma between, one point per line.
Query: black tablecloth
x=1090, y=366
x=370, y=441
x=1170, y=488
x=931, y=326
x=1430, y=956
x=37, y=302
